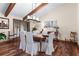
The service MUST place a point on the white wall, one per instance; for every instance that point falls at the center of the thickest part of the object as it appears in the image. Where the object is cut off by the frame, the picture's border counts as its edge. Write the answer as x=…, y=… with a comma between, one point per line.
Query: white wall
x=10, y=24
x=34, y=24
x=78, y=22
x=66, y=17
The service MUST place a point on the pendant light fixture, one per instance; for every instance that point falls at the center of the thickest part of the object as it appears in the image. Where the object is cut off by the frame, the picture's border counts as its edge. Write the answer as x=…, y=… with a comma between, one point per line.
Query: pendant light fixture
x=33, y=17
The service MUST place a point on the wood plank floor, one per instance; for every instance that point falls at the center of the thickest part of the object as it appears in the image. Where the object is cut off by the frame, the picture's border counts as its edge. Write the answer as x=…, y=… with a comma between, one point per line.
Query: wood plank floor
x=10, y=48
x=62, y=49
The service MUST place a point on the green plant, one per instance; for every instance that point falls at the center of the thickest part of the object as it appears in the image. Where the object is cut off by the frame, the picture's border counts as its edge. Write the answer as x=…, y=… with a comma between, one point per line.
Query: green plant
x=2, y=36
x=34, y=28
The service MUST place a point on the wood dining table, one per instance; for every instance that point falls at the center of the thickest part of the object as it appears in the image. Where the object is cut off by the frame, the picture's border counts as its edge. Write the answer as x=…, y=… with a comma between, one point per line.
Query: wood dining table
x=40, y=38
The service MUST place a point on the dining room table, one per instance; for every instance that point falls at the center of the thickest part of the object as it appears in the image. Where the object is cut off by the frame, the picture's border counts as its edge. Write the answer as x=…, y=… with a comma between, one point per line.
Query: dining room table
x=40, y=38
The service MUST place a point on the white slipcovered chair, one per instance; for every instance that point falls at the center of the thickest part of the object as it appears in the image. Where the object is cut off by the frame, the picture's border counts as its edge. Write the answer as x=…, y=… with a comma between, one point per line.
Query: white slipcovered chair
x=22, y=40
x=50, y=47
x=44, y=44
x=31, y=46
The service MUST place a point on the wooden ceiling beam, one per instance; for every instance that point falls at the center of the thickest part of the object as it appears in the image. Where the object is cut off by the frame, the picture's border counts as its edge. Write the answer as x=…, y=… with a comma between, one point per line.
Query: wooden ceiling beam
x=35, y=10
x=9, y=9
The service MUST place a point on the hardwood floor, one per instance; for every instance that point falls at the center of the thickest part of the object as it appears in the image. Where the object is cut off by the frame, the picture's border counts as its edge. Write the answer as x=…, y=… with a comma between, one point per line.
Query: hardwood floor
x=10, y=48
x=62, y=49
x=66, y=48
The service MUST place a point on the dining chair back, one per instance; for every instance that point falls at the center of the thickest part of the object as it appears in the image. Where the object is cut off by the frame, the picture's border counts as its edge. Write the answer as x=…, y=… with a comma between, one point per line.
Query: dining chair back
x=22, y=41
x=50, y=47
x=31, y=47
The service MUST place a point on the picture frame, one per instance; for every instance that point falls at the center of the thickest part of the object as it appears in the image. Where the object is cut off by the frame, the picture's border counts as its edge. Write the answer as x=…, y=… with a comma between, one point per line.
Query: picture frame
x=48, y=24
x=4, y=23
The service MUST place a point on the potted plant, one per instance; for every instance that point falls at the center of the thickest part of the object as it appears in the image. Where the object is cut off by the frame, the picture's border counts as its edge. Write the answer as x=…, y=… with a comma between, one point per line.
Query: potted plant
x=34, y=29
x=2, y=36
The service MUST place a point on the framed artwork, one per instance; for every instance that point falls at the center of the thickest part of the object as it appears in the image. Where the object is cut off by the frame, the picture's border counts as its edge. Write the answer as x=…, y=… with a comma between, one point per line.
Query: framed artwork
x=50, y=24
x=4, y=23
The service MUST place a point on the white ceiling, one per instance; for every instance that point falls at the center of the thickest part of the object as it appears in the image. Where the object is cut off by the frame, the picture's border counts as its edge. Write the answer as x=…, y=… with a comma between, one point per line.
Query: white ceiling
x=22, y=9
x=48, y=8
x=3, y=7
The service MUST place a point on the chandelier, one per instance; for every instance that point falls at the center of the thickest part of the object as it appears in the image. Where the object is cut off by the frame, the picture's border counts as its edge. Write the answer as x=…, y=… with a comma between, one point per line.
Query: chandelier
x=33, y=17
